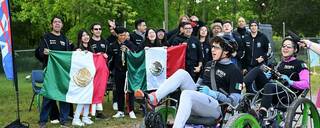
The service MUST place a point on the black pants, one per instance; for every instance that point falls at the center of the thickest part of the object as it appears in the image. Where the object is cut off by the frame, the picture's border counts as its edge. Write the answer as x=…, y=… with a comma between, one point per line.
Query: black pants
x=54, y=113
x=120, y=82
x=255, y=75
x=268, y=100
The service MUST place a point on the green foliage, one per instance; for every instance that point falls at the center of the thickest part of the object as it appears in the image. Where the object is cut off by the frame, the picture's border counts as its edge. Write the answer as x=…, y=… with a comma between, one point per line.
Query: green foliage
x=31, y=18
x=77, y=14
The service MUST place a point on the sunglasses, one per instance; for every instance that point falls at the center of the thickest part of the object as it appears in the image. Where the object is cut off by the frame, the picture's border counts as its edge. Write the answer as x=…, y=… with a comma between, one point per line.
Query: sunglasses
x=286, y=46
x=97, y=29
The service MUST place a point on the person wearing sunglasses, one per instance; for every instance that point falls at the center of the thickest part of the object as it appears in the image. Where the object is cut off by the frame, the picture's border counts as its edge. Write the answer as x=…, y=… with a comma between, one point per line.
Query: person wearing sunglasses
x=99, y=45
x=294, y=74
x=220, y=82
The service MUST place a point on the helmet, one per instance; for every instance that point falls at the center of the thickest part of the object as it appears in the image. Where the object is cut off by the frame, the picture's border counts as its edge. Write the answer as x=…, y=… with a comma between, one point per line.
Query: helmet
x=227, y=43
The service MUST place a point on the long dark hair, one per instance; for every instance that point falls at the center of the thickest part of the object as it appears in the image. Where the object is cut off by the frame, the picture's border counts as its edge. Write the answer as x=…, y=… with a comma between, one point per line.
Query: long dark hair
x=79, y=41
x=164, y=41
x=207, y=37
x=148, y=41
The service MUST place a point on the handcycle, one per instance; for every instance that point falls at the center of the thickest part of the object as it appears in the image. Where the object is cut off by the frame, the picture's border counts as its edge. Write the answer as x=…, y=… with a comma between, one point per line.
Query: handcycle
x=157, y=117
x=301, y=112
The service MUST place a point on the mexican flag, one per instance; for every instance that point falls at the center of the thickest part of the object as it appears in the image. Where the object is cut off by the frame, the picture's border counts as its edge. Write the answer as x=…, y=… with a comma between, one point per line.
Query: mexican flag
x=149, y=68
x=75, y=77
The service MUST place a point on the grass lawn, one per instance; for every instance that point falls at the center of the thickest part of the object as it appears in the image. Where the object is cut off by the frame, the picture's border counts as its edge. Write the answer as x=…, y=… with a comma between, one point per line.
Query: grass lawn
x=8, y=105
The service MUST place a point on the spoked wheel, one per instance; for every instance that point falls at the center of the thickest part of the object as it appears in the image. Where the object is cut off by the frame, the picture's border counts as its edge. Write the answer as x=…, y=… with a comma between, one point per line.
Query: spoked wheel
x=302, y=113
x=242, y=120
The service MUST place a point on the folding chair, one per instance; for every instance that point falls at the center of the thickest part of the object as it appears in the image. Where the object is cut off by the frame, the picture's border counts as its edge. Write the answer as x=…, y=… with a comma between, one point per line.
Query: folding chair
x=37, y=76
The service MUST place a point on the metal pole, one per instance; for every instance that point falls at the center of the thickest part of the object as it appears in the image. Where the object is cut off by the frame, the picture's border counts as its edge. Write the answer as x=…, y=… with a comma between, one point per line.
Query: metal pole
x=165, y=14
x=16, y=123
x=283, y=30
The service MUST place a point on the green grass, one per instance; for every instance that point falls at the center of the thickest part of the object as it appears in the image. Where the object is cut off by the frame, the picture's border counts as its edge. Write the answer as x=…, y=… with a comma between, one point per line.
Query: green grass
x=8, y=107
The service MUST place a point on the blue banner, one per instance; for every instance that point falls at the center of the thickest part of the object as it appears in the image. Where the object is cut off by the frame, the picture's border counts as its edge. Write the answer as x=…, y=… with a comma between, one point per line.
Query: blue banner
x=314, y=58
x=5, y=40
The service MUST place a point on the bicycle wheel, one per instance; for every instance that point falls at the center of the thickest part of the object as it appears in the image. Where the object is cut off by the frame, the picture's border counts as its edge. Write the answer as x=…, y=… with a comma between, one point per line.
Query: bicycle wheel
x=302, y=113
x=242, y=120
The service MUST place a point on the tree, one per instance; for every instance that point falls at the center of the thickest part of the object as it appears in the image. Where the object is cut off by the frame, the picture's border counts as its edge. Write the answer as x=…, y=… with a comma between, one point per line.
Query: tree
x=77, y=14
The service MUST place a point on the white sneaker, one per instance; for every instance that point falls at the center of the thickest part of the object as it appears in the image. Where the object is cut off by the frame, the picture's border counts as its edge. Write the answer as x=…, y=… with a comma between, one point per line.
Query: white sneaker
x=56, y=121
x=87, y=121
x=115, y=106
x=118, y=115
x=132, y=115
x=77, y=122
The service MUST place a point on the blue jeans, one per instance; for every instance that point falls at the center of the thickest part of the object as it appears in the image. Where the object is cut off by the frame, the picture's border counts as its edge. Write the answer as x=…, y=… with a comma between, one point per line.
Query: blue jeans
x=47, y=106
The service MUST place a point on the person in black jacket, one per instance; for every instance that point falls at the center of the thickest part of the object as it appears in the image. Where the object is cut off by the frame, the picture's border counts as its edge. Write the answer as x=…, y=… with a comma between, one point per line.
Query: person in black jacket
x=173, y=33
x=203, y=36
x=138, y=36
x=99, y=45
x=118, y=64
x=53, y=40
x=162, y=37
x=256, y=48
x=227, y=32
x=194, y=56
x=241, y=31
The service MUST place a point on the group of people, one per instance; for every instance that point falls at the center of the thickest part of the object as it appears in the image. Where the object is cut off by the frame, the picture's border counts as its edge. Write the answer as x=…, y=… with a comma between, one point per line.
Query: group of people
x=216, y=61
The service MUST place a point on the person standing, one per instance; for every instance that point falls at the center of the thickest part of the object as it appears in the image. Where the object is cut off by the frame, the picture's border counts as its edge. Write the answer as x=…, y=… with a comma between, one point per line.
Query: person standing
x=53, y=40
x=99, y=45
x=116, y=51
x=82, y=45
x=228, y=32
x=256, y=48
x=138, y=36
x=194, y=53
x=203, y=37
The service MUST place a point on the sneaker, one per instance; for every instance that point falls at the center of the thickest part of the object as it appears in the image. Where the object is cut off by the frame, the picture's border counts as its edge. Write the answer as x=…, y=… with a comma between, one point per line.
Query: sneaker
x=100, y=116
x=115, y=106
x=64, y=126
x=118, y=115
x=56, y=121
x=42, y=125
x=87, y=121
x=132, y=115
x=152, y=99
x=77, y=122
x=139, y=94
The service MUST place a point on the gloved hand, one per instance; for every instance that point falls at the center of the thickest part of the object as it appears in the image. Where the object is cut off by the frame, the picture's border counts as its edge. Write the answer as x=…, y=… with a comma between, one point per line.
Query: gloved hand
x=286, y=78
x=206, y=90
x=267, y=74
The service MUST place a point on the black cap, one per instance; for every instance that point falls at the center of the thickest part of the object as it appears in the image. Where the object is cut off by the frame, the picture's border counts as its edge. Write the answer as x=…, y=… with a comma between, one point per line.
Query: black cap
x=253, y=21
